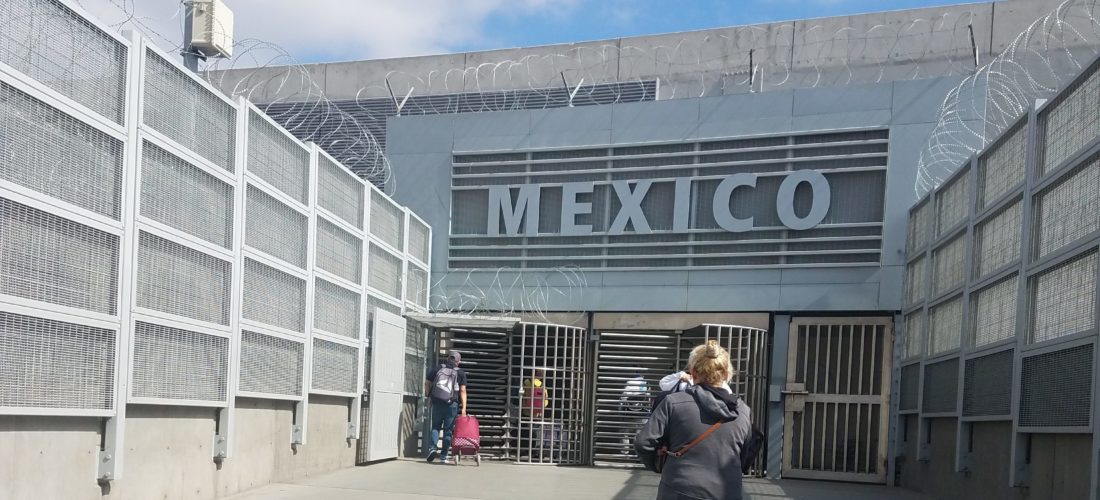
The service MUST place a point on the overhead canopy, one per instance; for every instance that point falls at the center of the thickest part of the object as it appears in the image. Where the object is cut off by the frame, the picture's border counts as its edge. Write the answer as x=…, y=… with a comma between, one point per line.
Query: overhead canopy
x=445, y=320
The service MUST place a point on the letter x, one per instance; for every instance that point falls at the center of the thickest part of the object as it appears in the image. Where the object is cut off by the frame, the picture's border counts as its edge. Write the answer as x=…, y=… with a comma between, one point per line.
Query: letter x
x=631, y=210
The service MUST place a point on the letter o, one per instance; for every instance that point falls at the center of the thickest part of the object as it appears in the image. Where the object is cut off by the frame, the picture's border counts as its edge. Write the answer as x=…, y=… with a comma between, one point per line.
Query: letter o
x=819, y=207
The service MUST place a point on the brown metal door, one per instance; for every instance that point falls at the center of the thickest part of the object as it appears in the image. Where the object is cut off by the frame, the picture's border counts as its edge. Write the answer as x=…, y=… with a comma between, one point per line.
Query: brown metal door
x=837, y=399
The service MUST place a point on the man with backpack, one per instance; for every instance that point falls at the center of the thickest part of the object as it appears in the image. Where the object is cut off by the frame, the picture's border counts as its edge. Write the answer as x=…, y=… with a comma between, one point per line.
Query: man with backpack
x=446, y=386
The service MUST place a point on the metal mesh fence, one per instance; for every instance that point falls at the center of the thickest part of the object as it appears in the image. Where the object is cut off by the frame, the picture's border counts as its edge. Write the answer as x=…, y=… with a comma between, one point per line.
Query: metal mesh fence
x=51, y=259
x=384, y=271
x=274, y=228
x=339, y=252
x=184, y=110
x=271, y=365
x=1071, y=122
x=919, y=219
x=1056, y=388
x=987, y=385
x=997, y=240
x=994, y=310
x=951, y=204
x=417, y=288
x=914, y=333
x=172, y=363
x=46, y=363
x=419, y=242
x=377, y=302
x=53, y=153
x=50, y=43
x=915, y=286
x=387, y=222
x=1068, y=211
x=1063, y=299
x=336, y=309
x=273, y=297
x=340, y=192
x=179, y=280
x=948, y=265
x=183, y=196
x=941, y=383
x=277, y=158
x=1003, y=167
x=335, y=367
x=945, y=326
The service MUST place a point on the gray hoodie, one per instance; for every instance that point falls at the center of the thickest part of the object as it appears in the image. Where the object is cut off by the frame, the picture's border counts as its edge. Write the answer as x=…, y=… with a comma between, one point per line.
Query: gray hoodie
x=712, y=469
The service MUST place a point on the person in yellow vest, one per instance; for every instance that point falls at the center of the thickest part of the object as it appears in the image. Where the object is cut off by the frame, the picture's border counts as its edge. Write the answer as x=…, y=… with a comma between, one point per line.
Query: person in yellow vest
x=535, y=395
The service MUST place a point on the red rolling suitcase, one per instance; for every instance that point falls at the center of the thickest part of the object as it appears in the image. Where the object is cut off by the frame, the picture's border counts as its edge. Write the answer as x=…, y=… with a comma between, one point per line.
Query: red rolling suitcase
x=466, y=439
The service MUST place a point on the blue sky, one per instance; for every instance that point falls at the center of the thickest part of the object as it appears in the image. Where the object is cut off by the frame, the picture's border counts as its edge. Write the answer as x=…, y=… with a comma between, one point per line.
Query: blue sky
x=340, y=30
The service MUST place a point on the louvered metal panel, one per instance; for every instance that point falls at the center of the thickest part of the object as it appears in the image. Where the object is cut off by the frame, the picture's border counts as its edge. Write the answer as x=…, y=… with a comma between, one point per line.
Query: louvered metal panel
x=951, y=204
x=47, y=363
x=997, y=240
x=945, y=326
x=949, y=265
x=335, y=367
x=1063, y=299
x=387, y=221
x=339, y=192
x=1056, y=388
x=485, y=360
x=336, y=309
x=1068, y=211
x=176, y=364
x=181, y=108
x=384, y=271
x=1002, y=168
x=277, y=158
x=177, y=279
x=51, y=259
x=183, y=196
x=55, y=154
x=1070, y=121
x=339, y=252
x=910, y=388
x=987, y=385
x=941, y=386
x=275, y=228
x=994, y=312
x=50, y=43
x=271, y=365
x=273, y=297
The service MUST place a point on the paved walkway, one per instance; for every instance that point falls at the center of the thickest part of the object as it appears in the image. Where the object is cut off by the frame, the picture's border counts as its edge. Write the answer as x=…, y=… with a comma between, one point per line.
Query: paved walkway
x=409, y=480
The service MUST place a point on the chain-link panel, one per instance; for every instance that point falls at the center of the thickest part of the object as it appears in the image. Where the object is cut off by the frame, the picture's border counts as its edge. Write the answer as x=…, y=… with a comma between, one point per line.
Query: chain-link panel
x=1063, y=299
x=1002, y=168
x=340, y=192
x=339, y=252
x=277, y=158
x=417, y=288
x=335, y=367
x=53, y=153
x=183, y=196
x=274, y=228
x=271, y=365
x=387, y=221
x=945, y=326
x=952, y=204
x=50, y=43
x=994, y=310
x=336, y=309
x=987, y=385
x=914, y=334
x=916, y=286
x=997, y=240
x=1056, y=388
x=949, y=265
x=1071, y=121
x=178, y=106
x=941, y=387
x=51, y=259
x=172, y=363
x=419, y=240
x=179, y=280
x=384, y=271
x=273, y=297
x=46, y=363
x=1068, y=211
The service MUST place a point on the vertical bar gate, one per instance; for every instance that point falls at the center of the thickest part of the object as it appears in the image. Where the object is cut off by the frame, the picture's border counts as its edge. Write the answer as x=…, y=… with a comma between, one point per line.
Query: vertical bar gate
x=548, y=377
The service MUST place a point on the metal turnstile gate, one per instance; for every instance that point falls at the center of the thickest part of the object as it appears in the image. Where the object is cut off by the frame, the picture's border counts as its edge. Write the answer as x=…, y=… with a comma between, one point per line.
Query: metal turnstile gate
x=629, y=366
x=485, y=356
x=548, y=393
x=837, y=399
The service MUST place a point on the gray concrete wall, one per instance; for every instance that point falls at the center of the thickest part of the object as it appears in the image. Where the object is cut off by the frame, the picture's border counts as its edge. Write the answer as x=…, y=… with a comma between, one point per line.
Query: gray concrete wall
x=168, y=452
x=420, y=149
x=1059, y=464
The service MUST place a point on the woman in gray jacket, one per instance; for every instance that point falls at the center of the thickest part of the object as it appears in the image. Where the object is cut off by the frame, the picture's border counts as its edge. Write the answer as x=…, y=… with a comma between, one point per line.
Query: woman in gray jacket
x=711, y=468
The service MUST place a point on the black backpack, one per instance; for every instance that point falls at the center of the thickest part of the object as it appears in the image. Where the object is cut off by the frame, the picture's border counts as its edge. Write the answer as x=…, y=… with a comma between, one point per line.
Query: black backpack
x=750, y=449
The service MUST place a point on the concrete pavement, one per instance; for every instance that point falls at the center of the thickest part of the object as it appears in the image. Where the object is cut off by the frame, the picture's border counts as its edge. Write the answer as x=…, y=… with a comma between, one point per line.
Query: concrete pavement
x=413, y=480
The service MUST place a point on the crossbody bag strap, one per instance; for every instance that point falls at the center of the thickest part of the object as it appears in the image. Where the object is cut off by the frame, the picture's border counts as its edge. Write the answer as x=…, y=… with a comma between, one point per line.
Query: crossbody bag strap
x=684, y=449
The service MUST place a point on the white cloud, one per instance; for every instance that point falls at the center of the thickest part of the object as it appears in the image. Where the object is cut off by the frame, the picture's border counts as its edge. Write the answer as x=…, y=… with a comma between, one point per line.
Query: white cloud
x=337, y=29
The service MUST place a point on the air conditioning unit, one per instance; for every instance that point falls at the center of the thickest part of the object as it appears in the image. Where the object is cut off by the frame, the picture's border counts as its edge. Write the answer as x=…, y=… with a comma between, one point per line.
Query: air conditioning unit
x=212, y=28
